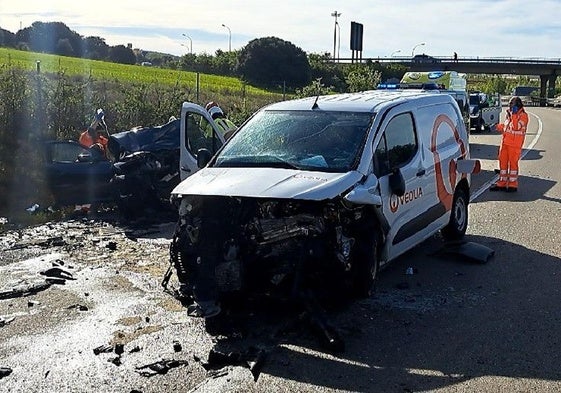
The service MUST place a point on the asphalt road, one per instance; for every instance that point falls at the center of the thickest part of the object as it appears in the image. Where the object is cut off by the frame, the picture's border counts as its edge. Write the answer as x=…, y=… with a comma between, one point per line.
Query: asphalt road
x=454, y=326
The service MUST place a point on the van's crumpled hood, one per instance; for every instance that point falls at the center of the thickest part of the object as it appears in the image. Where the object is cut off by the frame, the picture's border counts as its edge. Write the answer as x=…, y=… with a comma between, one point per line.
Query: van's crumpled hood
x=267, y=183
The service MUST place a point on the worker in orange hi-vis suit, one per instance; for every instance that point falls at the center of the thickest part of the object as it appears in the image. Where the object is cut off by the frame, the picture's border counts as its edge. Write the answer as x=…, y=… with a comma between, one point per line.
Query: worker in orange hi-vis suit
x=514, y=131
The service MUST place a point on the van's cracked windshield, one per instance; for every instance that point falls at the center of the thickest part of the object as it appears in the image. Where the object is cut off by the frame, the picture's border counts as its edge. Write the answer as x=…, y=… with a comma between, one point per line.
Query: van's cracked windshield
x=306, y=140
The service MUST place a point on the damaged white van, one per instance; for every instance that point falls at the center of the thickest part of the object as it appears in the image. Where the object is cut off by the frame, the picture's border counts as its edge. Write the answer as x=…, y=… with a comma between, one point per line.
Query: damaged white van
x=321, y=190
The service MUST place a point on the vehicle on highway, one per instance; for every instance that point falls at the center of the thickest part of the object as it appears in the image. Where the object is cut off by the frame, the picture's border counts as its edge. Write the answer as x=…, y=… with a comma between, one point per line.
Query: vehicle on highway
x=525, y=93
x=555, y=102
x=448, y=82
x=424, y=59
x=321, y=190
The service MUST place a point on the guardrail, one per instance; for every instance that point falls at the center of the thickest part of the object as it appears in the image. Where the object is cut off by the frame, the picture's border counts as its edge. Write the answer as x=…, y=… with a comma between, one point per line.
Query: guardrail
x=450, y=59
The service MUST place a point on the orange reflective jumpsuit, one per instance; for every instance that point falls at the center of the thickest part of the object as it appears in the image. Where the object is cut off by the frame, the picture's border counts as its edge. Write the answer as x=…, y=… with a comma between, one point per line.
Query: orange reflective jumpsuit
x=87, y=140
x=514, y=131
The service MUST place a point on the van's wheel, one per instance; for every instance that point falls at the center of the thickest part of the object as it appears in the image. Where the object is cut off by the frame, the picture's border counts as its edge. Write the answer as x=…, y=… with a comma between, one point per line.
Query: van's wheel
x=457, y=226
x=365, y=264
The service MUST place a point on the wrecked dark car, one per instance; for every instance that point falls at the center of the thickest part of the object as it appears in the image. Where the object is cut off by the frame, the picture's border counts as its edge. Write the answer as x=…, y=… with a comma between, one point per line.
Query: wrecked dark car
x=142, y=169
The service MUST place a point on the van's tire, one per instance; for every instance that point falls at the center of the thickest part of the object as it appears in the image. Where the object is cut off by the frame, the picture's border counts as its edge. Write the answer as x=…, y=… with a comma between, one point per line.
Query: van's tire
x=365, y=264
x=457, y=226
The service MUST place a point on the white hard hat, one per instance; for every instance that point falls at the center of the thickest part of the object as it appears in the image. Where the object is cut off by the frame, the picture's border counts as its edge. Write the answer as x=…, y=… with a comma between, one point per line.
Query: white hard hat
x=215, y=112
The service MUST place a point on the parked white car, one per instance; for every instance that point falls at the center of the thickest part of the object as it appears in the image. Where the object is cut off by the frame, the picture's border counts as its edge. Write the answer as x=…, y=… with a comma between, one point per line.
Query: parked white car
x=321, y=190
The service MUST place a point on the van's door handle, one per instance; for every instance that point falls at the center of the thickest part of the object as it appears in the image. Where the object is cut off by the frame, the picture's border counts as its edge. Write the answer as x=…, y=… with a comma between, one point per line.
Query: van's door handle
x=421, y=172
x=185, y=169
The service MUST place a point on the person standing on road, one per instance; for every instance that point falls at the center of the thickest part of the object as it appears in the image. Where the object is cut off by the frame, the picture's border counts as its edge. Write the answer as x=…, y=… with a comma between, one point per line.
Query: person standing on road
x=514, y=131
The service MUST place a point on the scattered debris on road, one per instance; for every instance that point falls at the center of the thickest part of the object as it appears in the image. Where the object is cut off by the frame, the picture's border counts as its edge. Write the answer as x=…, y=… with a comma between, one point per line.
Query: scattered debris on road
x=160, y=367
x=5, y=371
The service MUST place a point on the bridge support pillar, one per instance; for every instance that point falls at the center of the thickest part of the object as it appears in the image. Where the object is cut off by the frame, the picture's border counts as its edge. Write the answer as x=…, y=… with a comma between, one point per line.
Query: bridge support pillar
x=543, y=89
x=551, y=86
x=547, y=88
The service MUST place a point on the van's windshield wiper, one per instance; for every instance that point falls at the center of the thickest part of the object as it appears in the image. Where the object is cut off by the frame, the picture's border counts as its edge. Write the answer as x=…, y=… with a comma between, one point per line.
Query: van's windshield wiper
x=263, y=161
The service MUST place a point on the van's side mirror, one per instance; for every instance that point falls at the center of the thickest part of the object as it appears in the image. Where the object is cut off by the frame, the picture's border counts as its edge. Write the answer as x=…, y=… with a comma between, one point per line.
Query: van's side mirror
x=203, y=157
x=397, y=182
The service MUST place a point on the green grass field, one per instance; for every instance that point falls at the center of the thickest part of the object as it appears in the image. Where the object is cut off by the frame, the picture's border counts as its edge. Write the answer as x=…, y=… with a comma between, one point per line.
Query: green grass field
x=102, y=70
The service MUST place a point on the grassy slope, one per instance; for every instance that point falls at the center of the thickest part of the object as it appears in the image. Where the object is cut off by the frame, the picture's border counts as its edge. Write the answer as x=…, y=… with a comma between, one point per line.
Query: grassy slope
x=111, y=71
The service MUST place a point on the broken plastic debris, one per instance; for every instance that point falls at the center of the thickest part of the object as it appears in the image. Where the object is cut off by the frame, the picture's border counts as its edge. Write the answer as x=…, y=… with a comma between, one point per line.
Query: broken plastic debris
x=119, y=349
x=57, y=273
x=471, y=251
x=102, y=349
x=218, y=359
x=253, y=359
x=24, y=290
x=5, y=321
x=3, y=220
x=111, y=246
x=33, y=208
x=52, y=280
x=80, y=307
x=5, y=371
x=160, y=367
x=116, y=361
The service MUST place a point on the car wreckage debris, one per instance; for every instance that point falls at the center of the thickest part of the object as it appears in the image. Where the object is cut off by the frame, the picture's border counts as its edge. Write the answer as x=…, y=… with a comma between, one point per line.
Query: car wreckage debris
x=253, y=359
x=472, y=251
x=103, y=349
x=24, y=290
x=160, y=367
x=5, y=371
x=119, y=349
x=5, y=321
x=56, y=272
x=79, y=307
x=56, y=281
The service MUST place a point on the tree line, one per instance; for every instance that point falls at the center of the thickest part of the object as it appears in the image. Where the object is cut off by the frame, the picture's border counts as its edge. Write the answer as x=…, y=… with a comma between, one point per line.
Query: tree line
x=56, y=38
x=268, y=62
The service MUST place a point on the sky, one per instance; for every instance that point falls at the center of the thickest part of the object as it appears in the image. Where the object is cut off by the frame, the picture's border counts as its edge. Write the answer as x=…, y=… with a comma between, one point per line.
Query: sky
x=399, y=28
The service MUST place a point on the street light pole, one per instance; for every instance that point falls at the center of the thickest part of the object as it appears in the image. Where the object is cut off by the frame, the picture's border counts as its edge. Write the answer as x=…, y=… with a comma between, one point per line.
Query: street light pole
x=394, y=52
x=229, y=37
x=415, y=47
x=336, y=15
x=338, y=40
x=190, y=42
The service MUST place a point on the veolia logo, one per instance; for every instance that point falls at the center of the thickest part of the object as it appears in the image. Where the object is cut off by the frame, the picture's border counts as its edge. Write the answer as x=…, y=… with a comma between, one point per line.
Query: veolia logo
x=414, y=75
x=409, y=196
x=435, y=74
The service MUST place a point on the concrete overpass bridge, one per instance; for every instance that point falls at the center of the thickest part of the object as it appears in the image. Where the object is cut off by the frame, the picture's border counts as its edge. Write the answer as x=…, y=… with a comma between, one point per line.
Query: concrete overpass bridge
x=546, y=69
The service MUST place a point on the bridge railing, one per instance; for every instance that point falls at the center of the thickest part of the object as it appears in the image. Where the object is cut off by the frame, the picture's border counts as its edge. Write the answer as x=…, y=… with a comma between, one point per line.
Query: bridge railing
x=450, y=59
